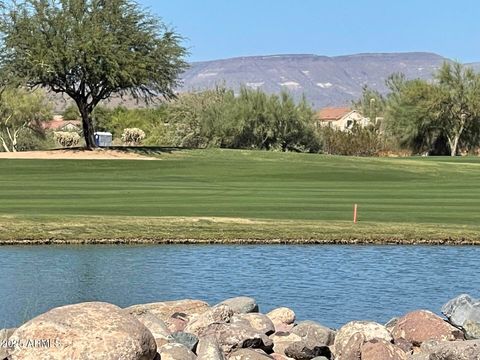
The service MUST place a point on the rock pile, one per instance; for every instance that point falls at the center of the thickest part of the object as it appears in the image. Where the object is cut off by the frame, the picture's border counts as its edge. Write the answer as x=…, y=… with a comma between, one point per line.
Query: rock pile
x=235, y=330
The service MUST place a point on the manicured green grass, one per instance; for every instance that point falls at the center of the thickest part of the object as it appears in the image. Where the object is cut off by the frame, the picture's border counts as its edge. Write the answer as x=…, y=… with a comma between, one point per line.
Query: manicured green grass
x=288, y=196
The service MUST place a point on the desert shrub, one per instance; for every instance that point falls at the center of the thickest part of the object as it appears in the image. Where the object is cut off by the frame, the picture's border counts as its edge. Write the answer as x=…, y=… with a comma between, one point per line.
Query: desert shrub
x=133, y=136
x=150, y=120
x=66, y=138
x=356, y=142
x=29, y=140
x=253, y=120
x=71, y=113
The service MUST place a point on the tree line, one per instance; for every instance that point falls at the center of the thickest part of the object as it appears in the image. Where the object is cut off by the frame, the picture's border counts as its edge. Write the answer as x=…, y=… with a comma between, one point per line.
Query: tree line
x=89, y=50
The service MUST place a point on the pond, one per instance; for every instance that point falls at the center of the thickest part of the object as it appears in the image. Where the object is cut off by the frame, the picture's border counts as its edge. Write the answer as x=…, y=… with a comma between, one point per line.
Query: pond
x=331, y=284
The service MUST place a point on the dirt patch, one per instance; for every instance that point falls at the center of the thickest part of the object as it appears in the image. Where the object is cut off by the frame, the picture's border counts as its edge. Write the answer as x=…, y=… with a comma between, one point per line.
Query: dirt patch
x=98, y=154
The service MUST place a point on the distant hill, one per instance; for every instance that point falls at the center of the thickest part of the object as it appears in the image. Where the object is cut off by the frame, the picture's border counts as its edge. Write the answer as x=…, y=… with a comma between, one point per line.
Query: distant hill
x=326, y=81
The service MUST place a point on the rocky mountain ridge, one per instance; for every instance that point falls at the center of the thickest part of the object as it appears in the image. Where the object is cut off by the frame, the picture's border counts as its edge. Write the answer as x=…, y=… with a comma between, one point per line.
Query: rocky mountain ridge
x=325, y=81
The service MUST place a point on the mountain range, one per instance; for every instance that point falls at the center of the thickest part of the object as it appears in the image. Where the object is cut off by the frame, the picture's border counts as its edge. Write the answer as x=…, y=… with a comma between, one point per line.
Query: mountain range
x=325, y=81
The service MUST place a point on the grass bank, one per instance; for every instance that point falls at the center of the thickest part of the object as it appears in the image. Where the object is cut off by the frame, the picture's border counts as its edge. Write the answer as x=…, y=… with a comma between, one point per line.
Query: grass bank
x=240, y=196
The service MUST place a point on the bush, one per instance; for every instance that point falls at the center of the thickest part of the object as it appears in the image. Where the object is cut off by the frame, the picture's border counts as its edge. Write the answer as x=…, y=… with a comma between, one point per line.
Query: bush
x=71, y=113
x=66, y=139
x=356, y=142
x=28, y=140
x=133, y=136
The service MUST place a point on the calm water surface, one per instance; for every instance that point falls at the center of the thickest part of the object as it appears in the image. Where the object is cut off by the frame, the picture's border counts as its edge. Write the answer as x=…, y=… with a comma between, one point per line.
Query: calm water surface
x=330, y=284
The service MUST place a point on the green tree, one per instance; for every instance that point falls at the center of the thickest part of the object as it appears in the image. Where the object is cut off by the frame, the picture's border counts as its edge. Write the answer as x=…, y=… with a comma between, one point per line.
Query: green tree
x=372, y=104
x=456, y=102
x=428, y=116
x=201, y=119
x=408, y=115
x=22, y=113
x=91, y=49
x=71, y=113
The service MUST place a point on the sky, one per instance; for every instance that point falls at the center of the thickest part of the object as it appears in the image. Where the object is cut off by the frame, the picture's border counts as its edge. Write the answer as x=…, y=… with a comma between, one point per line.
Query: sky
x=217, y=29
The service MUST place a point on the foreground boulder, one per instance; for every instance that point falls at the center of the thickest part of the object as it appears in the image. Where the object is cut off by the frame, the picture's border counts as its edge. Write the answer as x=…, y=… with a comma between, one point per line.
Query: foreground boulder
x=312, y=331
x=377, y=349
x=5, y=334
x=175, y=351
x=231, y=337
x=366, y=330
x=351, y=349
x=457, y=350
x=177, y=322
x=282, y=318
x=209, y=349
x=157, y=327
x=282, y=340
x=242, y=305
x=187, y=339
x=259, y=322
x=303, y=350
x=168, y=309
x=217, y=314
x=86, y=331
x=420, y=326
x=464, y=312
x=249, y=354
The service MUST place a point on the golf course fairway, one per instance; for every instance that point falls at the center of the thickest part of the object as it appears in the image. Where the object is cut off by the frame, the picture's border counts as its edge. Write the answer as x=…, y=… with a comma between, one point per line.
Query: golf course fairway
x=240, y=196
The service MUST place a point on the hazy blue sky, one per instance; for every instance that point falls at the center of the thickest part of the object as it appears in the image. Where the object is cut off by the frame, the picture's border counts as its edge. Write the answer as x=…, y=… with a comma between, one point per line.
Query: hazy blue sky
x=227, y=28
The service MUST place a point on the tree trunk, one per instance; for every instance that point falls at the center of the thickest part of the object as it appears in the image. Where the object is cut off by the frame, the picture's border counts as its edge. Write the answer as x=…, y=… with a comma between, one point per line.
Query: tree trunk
x=4, y=144
x=454, y=145
x=88, y=130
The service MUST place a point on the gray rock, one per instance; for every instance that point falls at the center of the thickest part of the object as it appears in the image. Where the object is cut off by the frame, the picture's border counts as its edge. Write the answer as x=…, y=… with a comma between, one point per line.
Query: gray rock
x=166, y=309
x=303, y=350
x=418, y=356
x=320, y=358
x=314, y=332
x=457, y=350
x=464, y=312
x=259, y=322
x=217, y=314
x=471, y=330
x=5, y=334
x=283, y=340
x=209, y=349
x=235, y=336
x=175, y=351
x=249, y=354
x=282, y=315
x=156, y=326
x=187, y=339
x=242, y=305
x=352, y=349
x=369, y=330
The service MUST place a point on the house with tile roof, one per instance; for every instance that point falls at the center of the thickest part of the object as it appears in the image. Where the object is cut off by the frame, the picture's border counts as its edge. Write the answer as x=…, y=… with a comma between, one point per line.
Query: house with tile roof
x=341, y=118
x=59, y=124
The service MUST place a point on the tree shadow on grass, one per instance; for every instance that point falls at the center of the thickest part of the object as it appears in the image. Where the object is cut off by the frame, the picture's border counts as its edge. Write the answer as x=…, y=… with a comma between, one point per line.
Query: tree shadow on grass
x=140, y=150
x=147, y=150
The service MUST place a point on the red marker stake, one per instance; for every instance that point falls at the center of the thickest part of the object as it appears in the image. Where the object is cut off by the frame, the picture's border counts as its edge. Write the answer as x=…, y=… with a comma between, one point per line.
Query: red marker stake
x=355, y=213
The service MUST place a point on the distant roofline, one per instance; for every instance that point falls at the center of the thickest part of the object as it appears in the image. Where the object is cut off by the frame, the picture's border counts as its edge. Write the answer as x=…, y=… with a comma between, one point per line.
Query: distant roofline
x=333, y=113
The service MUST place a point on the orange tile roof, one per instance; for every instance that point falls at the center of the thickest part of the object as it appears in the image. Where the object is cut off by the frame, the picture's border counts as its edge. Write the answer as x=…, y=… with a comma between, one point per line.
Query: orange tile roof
x=58, y=124
x=332, y=114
